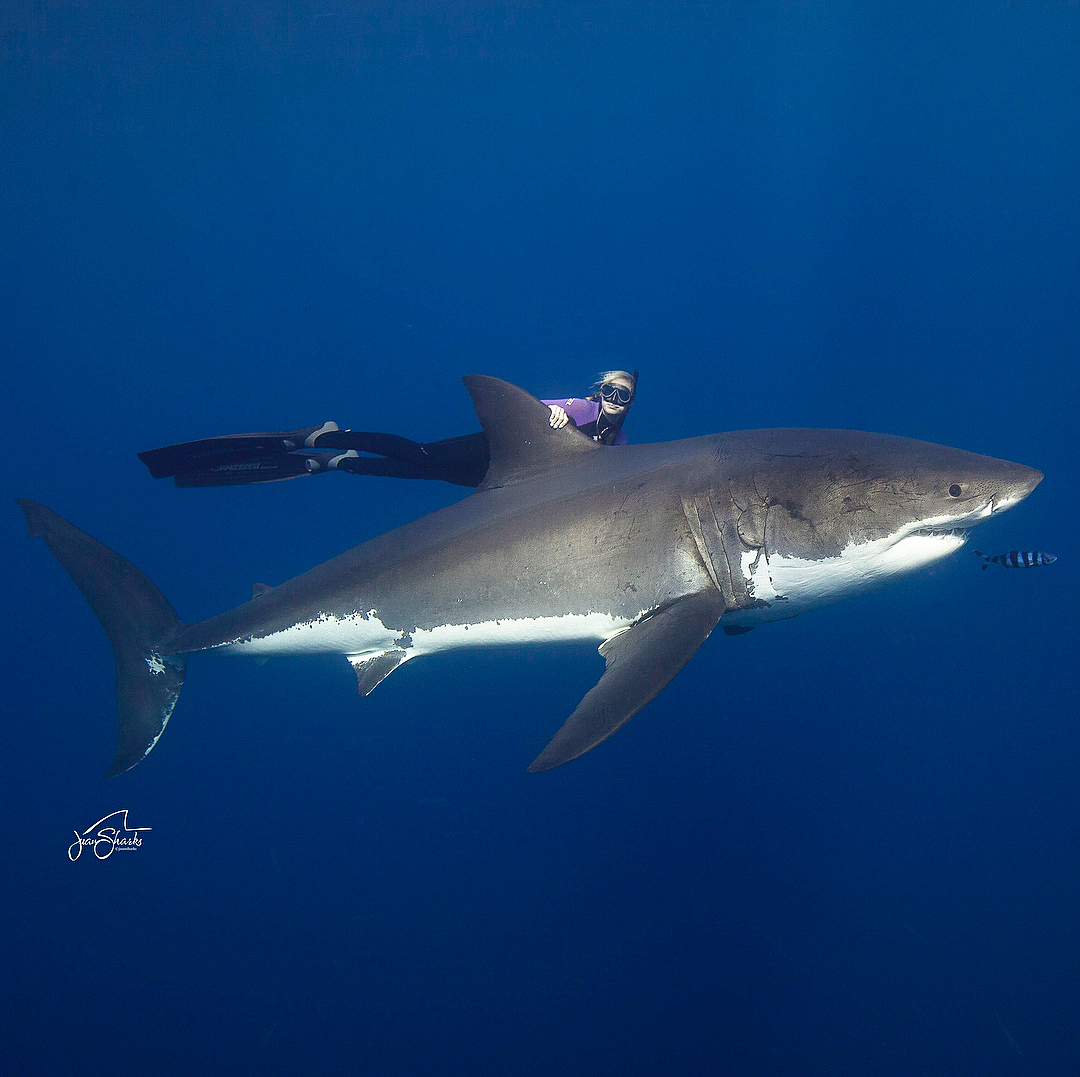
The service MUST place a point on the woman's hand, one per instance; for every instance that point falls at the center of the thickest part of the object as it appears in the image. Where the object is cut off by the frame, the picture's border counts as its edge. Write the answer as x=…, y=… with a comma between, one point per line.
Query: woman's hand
x=559, y=418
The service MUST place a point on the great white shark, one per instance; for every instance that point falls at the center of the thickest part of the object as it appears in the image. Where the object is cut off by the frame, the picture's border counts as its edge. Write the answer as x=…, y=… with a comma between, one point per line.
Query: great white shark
x=643, y=549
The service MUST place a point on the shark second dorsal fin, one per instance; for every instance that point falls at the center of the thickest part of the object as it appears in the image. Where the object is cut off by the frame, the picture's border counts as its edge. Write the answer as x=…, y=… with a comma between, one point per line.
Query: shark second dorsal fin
x=520, y=438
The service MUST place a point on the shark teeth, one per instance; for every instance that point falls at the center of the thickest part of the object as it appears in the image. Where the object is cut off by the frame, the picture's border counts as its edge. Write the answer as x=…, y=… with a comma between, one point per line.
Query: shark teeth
x=943, y=532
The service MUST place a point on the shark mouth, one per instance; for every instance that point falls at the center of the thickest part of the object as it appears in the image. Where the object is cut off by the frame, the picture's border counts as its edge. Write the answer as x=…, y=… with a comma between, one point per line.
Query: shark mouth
x=961, y=533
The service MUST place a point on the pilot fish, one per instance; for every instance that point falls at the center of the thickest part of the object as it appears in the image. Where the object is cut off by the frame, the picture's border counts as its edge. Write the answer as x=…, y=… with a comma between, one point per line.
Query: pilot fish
x=1017, y=558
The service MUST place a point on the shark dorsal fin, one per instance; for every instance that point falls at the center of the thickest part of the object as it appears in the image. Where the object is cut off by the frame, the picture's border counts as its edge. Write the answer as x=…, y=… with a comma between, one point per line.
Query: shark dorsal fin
x=520, y=438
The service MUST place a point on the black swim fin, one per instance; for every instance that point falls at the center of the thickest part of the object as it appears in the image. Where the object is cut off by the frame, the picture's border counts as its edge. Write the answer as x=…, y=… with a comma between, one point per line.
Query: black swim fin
x=203, y=454
x=242, y=469
x=391, y=445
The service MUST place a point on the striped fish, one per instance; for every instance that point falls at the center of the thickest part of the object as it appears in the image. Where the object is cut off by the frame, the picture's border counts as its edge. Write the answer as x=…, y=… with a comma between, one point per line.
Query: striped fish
x=1017, y=558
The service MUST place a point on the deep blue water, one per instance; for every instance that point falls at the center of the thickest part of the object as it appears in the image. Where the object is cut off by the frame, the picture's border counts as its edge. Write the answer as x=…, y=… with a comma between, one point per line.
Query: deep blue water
x=845, y=844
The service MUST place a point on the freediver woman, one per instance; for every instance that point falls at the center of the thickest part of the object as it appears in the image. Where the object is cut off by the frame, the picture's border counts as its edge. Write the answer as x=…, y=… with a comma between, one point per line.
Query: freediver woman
x=241, y=459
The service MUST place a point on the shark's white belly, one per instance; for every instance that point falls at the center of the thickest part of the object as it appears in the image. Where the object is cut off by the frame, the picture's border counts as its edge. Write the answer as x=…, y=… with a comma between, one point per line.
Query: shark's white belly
x=565, y=628
x=791, y=585
x=359, y=635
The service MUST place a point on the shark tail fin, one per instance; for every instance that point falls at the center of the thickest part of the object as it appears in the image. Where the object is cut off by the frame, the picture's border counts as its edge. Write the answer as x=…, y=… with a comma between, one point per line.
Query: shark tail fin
x=136, y=617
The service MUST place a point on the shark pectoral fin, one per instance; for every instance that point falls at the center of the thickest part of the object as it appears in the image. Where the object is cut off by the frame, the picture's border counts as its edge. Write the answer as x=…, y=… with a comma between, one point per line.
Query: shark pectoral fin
x=641, y=661
x=519, y=432
x=372, y=669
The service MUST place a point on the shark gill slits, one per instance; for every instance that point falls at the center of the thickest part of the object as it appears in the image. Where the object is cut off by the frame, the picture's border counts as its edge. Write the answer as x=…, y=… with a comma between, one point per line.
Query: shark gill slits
x=955, y=490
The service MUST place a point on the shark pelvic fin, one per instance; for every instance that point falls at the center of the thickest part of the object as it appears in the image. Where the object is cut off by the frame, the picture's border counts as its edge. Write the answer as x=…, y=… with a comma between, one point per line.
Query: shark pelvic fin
x=372, y=670
x=519, y=434
x=641, y=661
x=136, y=618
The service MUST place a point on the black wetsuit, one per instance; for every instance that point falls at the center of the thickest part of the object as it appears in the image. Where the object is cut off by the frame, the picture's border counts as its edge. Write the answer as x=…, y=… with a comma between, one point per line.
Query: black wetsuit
x=463, y=460
x=241, y=459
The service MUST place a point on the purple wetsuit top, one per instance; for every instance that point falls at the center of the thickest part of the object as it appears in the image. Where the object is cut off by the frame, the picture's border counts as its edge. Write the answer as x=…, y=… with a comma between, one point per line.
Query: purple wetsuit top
x=582, y=412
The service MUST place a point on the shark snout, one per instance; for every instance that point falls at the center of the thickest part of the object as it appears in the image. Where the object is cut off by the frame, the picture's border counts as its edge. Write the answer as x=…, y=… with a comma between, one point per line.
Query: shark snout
x=1015, y=487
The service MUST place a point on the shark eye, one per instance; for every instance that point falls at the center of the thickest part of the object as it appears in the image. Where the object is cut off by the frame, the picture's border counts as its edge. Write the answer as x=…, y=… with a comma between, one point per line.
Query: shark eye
x=954, y=490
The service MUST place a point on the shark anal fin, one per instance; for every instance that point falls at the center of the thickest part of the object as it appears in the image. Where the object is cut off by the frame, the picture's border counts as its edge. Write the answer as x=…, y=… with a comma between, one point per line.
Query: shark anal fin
x=372, y=670
x=519, y=432
x=641, y=661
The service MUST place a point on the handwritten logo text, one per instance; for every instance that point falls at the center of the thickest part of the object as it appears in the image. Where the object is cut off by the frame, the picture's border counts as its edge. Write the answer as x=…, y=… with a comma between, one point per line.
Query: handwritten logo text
x=107, y=836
